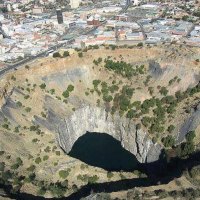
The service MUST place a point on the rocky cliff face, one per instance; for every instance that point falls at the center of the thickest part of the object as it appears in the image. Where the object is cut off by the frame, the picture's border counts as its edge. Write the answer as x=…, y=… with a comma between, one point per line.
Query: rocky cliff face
x=190, y=124
x=95, y=119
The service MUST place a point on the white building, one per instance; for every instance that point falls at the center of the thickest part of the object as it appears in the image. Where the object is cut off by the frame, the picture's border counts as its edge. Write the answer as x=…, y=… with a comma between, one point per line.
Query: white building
x=136, y=2
x=75, y=3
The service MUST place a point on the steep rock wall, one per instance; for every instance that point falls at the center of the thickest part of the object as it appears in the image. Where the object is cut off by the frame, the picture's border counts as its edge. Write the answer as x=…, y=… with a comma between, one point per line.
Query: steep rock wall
x=190, y=124
x=95, y=119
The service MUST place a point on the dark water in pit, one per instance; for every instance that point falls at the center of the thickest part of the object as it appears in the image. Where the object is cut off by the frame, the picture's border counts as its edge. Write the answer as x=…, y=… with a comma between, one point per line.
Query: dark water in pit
x=102, y=150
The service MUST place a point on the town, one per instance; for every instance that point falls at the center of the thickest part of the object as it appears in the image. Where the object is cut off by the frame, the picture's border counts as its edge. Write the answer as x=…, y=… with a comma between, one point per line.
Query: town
x=32, y=29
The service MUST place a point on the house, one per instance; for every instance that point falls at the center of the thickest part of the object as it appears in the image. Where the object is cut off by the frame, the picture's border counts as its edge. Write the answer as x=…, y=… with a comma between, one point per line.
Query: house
x=134, y=36
x=95, y=20
x=70, y=24
x=122, y=17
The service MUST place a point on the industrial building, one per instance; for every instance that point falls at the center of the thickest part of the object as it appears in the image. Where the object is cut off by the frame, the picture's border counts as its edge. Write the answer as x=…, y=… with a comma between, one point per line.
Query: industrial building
x=59, y=16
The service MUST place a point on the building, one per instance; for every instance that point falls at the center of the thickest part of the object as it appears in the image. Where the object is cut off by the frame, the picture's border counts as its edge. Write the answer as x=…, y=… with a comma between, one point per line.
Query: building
x=95, y=20
x=136, y=2
x=75, y=3
x=70, y=24
x=59, y=16
x=134, y=36
x=37, y=10
x=122, y=17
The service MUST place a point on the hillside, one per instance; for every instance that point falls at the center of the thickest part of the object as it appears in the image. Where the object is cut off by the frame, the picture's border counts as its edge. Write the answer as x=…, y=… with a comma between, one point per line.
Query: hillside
x=146, y=98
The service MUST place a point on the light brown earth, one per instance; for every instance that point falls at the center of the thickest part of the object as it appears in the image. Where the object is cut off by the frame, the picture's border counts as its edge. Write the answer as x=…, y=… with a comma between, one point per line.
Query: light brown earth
x=180, y=61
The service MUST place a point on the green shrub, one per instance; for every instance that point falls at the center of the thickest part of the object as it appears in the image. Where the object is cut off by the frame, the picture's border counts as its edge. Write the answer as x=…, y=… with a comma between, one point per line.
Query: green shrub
x=28, y=109
x=171, y=128
x=14, y=166
x=93, y=179
x=168, y=141
x=122, y=68
x=16, y=129
x=34, y=128
x=27, y=67
x=110, y=175
x=43, y=86
x=45, y=158
x=6, y=126
x=130, y=114
x=190, y=136
x=65, y=94
x=43, y=114
x=185, y=149
x=70, y=88
x=26, y=96
x=38, y=160
x=35, y=140
x=6, y=175
x=52, y=91
x=47, y=149
x=66, y=54
x=80, y=54
x=19, y=104
x=107, y=98
x=140, y=44
x=2, y=166
x=56, y=55
x=163, y=91
x=41, y=191
x=31, y=168
x=57, y=189
x=31, y=177
x=13, y=78
x=96, y=83
x=64, y=173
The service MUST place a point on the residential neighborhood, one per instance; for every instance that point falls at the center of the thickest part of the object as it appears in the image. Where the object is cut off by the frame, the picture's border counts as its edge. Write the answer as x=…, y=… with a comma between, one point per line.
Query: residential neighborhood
x=28, y=28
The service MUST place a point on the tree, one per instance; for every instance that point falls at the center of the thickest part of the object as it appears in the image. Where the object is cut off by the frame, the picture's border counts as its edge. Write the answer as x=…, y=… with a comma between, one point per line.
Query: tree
x=6, y=175
x=66, y=54
x=93, y=179
x=2, y=166
x=110, y=175
x=27, y=67
x=4, y=10
x=38, y=160
x=70, y=88
x=96, y=83
x=80, y=54
x=130, y=114
x=31, y=168
x=31, y=177
x=171, y=128
x=185, y=149
x=185, y=17
x=43, y=86
x=168, y=141
x=107, y=98
x=190, y=136
x=56, y=55
x=163, y=91
x=65, y=94
x=19, y=104
x=140, y=44
x=46, y=157
x=64, y=173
